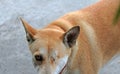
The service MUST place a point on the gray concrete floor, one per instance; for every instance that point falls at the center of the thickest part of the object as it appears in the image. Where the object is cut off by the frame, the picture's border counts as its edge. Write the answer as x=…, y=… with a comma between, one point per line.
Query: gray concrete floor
x=15, y=57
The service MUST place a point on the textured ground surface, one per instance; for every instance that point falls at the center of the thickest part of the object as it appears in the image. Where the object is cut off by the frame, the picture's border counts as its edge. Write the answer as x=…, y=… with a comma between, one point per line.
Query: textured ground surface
x=15, y=57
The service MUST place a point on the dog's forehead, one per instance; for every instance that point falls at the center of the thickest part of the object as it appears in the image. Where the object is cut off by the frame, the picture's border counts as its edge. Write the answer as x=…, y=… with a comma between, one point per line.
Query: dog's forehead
x=46, y=41
x=44, y=46
x=49, y=34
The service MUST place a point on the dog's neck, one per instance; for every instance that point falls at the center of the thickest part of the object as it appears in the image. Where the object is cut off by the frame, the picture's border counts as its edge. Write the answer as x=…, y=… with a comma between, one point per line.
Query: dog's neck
x=61, y=25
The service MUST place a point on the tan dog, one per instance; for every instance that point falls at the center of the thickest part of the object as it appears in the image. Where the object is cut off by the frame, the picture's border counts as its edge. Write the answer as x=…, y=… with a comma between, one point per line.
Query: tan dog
x=80, y=42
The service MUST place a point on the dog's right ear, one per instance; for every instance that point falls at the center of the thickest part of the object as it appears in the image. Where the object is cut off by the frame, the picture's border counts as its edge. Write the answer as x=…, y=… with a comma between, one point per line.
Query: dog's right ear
x=71, y=36
x=30, y=31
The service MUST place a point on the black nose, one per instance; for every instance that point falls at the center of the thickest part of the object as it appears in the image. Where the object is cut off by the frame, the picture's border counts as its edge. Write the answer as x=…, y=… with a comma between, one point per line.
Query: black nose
x=39, y=58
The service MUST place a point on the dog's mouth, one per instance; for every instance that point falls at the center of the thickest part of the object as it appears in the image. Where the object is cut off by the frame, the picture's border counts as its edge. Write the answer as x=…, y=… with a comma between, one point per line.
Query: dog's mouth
x=62, y=69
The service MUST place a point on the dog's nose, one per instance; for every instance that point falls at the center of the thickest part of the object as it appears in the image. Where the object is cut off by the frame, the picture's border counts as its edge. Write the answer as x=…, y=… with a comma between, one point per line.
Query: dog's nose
x=39, y=57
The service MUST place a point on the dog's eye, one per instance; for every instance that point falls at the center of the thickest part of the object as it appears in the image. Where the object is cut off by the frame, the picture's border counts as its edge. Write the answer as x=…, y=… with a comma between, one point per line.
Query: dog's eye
x=52, y=59
x=39, y=58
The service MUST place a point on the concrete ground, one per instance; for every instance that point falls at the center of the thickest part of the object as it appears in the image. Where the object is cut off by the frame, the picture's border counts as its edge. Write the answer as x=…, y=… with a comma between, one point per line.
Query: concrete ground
x=15, y=57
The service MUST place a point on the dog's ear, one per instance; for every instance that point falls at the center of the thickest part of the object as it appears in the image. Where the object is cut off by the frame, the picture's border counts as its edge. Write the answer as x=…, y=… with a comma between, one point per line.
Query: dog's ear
x=69, y=38
x=30, y=31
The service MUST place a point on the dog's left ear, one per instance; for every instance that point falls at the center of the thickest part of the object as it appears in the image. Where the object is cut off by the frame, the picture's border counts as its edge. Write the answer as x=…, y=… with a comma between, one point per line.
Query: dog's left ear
x=30, y=31
x=71, y=36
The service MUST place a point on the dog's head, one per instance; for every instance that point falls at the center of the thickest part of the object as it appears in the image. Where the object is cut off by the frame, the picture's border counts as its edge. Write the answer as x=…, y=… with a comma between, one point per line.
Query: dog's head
x=50, y=48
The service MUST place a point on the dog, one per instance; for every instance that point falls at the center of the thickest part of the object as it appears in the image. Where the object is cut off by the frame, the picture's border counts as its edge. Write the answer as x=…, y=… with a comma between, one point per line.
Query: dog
x=80, y=42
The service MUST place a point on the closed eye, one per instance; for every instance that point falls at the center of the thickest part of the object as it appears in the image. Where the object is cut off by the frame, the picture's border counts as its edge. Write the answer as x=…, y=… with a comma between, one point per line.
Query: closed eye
x=52, y=59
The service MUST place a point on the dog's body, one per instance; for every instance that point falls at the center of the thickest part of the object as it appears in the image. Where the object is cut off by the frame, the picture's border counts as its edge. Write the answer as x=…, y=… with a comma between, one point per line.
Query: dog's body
x=59, y=48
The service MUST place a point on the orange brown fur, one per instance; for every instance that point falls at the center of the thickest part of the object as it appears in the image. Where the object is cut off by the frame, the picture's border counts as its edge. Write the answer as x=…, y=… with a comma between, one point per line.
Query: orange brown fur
x=100, y=17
